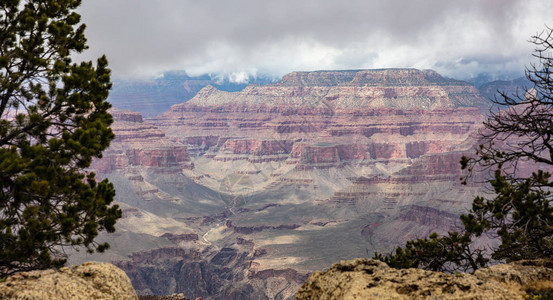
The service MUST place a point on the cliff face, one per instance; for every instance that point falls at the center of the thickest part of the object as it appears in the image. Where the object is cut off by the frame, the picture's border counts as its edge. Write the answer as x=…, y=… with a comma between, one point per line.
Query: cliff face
x=139, y=144
x=224, y=274
x=395, y=126
x=324, y=118
x=371, y=279
x=268, y=184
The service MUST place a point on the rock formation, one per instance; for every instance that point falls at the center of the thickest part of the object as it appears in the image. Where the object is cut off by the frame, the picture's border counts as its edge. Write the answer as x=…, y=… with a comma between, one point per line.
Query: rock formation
x=372, y=279
x=88, y=281
x=262, y=186
x=139, y=144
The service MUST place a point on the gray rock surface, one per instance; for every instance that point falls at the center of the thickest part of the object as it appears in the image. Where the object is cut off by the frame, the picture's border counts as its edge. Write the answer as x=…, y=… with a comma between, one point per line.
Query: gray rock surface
x=87, y=281
x=372, y=279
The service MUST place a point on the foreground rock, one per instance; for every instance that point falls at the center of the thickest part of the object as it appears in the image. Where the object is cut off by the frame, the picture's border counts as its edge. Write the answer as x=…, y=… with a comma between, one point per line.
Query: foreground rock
x=372, y=279
x=88, y=281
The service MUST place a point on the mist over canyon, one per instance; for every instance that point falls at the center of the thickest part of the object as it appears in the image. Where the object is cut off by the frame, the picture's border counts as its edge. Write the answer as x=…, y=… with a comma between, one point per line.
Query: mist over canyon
x=242, y=194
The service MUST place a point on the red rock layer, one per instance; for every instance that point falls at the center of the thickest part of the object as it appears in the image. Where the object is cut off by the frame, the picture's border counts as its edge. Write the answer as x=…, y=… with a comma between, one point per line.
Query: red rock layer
x=140, y=144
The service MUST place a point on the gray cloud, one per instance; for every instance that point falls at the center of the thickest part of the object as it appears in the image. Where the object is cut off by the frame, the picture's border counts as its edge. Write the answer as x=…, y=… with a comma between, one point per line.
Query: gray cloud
x=457, y=38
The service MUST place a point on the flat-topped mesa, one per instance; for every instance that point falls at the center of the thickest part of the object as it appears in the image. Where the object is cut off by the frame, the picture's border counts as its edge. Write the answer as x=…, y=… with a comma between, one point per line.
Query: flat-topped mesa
x=387, y=114
x=377, y=77
x=125, y=115
x=128, y=125
x=331, y=92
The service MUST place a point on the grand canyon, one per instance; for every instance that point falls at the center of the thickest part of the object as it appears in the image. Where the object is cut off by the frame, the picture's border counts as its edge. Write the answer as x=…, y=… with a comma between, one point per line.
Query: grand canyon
x=241, y=195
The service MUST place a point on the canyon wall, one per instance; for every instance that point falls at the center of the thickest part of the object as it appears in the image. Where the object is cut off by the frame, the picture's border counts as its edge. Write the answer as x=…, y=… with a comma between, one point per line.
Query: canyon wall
x=245, y=193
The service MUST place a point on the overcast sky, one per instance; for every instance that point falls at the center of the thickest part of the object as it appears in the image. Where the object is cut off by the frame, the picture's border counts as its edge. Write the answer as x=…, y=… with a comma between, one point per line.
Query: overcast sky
x=459, y=39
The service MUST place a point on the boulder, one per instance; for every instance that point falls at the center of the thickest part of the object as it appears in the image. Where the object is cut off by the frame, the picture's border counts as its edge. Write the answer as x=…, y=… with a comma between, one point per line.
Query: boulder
x=373, y=279
x=90, y=280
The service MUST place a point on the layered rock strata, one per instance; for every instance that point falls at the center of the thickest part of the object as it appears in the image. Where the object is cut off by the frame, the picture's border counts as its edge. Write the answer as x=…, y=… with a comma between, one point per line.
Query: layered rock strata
x=329, y=119
x=226, y=274
x=372, y=124
x=140, y=144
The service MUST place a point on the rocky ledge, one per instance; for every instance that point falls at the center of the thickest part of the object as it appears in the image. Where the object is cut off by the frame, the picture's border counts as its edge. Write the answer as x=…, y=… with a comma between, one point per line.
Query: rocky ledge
x=372, y=279
x=88, y=281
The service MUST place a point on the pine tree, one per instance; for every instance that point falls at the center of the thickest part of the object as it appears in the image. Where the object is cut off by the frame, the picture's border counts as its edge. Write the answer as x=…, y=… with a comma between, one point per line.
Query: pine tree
x=53, y=121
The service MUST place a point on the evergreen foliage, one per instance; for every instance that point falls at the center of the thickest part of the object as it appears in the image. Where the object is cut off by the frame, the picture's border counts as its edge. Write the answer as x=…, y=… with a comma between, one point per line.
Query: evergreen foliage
x=53, y=120
x=520, y=214
x=450, y=253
